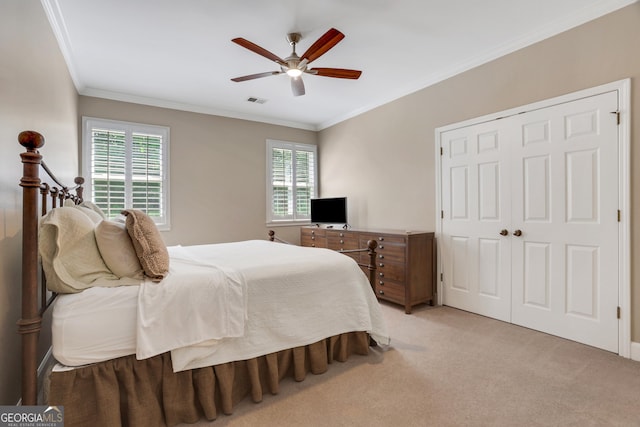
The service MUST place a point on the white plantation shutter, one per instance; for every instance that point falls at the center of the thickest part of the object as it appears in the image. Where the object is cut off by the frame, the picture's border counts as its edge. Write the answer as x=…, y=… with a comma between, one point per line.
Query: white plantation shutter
x=291, y=180
x=126, y=165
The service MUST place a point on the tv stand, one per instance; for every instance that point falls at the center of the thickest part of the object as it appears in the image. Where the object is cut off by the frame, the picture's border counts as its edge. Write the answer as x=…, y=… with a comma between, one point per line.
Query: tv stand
x=405, y=273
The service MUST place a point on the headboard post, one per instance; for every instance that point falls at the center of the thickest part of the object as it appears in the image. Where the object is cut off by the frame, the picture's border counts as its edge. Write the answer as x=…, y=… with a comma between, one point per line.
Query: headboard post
x=30, y=322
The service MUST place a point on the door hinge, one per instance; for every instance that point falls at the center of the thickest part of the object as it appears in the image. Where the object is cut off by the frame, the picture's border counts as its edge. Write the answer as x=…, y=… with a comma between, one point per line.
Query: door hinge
x=618, y=312
x=441, y=277
x=441, y=151
x=617, y=113
x=442, y=214
x=619, y=215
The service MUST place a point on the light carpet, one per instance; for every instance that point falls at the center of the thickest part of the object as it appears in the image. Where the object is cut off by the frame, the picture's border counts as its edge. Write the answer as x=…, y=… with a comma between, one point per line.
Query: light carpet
x=447, y=367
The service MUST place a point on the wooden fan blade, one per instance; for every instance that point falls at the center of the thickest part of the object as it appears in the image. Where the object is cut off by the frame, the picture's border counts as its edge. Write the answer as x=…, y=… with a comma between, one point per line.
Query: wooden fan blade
x=256, y=76
x=297, y=86
x=259, y=50
x=339, y=73
x=322, y=45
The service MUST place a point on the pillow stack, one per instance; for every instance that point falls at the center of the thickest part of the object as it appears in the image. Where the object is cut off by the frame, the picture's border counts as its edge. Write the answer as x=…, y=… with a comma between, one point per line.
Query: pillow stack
x=80, y=248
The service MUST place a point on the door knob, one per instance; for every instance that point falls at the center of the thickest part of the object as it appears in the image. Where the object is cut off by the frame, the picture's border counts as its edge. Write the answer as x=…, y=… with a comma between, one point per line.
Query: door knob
x=504, y=232
x=517, y=233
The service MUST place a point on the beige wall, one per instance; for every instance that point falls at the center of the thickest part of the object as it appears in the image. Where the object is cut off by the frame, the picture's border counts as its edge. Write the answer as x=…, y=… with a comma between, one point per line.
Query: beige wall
x=217, y=171
x=384, y=161
x=36, y=92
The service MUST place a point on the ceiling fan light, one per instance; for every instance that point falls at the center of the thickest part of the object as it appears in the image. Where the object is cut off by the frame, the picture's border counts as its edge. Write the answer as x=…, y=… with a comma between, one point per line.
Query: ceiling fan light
x=294, y=72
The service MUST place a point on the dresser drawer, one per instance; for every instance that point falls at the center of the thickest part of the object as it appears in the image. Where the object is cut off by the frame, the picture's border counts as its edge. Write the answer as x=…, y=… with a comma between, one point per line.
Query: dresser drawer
x=383, y=238
x=342, y=240
x=317, y=232
x=390, y=291
x=390, y=271
x=337, y=242
x=313, y=241
x=314, y=237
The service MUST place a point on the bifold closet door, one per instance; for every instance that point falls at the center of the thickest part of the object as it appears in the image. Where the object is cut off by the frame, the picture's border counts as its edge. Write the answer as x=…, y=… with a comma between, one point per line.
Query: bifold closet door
x=529, y=220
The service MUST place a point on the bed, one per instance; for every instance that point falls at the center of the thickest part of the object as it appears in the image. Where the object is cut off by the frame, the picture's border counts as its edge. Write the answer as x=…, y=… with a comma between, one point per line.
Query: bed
x=187, y=333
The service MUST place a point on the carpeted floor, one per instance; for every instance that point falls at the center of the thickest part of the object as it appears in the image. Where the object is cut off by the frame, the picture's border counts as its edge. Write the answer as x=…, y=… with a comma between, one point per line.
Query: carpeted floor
x=447, y=367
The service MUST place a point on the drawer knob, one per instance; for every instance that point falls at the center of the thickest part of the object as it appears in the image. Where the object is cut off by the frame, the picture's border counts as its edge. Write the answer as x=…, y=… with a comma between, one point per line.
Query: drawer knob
x=381, y=238
x=381, y=265
x=381, y=292
x=313, y=245
x=341, y=241
x=313, y=232
x=381, y=256
x=341, y=234
x=381, y=247
x=381, y=283
x=313, y=237
x=381, y=274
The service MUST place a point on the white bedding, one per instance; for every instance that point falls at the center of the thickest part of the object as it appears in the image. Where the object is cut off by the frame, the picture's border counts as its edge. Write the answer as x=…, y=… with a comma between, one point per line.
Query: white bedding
x=197, y=301
x=294, y=296
x=94, y=325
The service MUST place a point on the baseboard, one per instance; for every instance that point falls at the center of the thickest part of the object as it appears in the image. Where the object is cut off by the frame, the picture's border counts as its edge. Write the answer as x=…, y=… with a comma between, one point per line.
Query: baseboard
x=635, y=351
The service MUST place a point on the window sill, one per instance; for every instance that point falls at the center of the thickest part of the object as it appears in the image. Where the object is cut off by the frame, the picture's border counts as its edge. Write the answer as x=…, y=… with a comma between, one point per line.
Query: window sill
x=288, y=223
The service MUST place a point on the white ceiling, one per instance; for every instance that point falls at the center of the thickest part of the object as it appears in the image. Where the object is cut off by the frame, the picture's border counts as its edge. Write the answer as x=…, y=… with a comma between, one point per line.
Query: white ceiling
x=179, y=54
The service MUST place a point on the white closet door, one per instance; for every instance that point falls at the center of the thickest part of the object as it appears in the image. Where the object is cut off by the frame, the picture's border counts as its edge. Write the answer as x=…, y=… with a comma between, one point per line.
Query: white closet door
x=565, y=199
x=476, y=207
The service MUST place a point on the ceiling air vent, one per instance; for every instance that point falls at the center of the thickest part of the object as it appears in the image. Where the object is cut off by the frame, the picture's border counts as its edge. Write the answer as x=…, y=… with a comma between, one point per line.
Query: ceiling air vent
x=256, y=100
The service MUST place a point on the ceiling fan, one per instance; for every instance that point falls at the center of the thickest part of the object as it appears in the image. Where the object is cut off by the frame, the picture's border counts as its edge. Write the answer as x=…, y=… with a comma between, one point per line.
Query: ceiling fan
x=294, y=66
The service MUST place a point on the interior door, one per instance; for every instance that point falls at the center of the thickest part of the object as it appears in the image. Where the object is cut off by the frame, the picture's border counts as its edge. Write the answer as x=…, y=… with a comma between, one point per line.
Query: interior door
x=547, y=179
x=565, y=199
x=476, y=208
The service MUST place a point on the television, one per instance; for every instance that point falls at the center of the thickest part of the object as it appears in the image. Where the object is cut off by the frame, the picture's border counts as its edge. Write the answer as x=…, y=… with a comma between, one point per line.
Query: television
x=329, y=210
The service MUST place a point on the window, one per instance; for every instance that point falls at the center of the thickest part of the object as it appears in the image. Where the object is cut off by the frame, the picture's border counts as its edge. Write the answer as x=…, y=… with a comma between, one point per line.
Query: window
x=291, y=181
x=126, y=166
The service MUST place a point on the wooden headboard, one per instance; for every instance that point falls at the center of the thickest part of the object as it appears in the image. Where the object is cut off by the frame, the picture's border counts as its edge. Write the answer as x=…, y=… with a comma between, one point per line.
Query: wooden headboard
x=37, y=199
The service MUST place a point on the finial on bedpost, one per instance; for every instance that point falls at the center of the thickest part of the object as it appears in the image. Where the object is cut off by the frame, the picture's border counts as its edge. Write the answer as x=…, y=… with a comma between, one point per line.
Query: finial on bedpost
x=79, y=189
x=31, y=140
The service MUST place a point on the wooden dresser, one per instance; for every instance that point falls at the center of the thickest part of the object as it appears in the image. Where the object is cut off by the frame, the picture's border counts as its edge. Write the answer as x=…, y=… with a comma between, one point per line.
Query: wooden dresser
x=405, y=269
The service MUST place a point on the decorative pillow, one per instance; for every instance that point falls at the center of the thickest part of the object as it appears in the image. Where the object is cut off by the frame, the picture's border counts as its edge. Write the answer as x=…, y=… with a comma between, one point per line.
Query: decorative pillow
x=70, y=256
x=117, y=249
x=148, y=243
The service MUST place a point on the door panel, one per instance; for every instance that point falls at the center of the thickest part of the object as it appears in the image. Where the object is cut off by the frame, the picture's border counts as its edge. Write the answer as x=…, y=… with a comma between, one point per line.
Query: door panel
x=569, y=208
x=475, y=205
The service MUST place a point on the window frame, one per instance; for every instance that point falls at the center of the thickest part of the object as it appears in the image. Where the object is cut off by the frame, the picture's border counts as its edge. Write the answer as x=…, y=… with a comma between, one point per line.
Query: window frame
x=89, y=123
x=274, y=220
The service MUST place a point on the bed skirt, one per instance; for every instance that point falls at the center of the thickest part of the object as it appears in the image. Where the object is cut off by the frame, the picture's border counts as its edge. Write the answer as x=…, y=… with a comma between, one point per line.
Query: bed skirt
x=130, y=392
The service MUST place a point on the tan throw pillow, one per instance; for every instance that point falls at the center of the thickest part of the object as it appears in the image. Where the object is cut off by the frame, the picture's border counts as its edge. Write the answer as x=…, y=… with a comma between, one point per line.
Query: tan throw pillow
x=147, y=241
x=117, y=249
x=70, y=256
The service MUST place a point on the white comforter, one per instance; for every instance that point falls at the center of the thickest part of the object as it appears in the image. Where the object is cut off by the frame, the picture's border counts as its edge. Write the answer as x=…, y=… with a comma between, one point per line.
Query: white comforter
x=294, y=296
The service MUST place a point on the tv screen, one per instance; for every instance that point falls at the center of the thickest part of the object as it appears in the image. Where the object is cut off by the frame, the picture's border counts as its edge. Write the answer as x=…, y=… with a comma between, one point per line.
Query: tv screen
x=329, y=210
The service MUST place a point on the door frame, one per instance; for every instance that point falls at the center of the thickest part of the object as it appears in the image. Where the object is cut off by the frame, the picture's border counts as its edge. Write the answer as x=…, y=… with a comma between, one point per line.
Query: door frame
x=623, y=87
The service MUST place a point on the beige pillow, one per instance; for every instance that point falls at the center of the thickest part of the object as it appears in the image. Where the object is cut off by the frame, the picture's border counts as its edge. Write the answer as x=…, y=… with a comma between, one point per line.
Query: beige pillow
x=117, y=249
x=92, y=214
x=90, y=205
x=70, y=256
x=148, y=243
